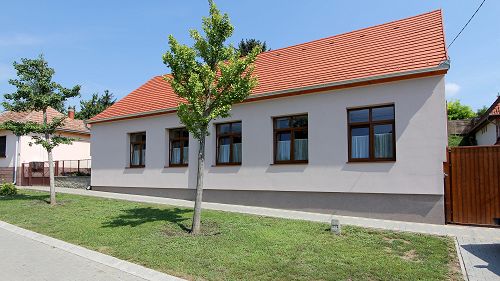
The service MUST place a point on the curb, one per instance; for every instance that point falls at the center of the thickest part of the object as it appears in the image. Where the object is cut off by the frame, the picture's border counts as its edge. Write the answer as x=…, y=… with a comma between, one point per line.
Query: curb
x=125, y=266
x=461, y=259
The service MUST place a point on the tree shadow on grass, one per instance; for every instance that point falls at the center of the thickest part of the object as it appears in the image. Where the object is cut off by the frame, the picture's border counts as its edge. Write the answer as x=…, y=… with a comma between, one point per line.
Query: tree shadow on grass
x=137, y=216
x=24, y=197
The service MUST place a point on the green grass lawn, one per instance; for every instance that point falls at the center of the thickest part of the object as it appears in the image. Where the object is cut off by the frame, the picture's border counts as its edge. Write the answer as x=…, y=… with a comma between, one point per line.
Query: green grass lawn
x=233, y=246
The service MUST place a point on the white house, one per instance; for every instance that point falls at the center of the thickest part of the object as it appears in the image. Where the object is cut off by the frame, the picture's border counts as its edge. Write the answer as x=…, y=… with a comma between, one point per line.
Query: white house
x=353, y=124
x=14, y=150
x=486, y=130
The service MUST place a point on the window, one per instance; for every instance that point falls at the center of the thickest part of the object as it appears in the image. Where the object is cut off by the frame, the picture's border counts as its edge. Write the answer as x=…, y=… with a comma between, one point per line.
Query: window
x=179, y=147
x=290, y=139
x=3, y=146
x=371, y=134
x=137, y=150
x=229, y=143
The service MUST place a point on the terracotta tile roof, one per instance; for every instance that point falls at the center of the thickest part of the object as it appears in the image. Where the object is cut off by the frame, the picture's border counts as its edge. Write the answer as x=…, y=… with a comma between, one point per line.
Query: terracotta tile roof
x=411, y=44
x=496, y=109
x=493, y=111
x=70, y=125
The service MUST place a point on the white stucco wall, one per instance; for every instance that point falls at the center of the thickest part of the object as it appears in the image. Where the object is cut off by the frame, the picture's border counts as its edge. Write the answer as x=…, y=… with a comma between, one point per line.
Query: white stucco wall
x=487, y=135
x=78, y=150
x=420, y=146
x=10, y=149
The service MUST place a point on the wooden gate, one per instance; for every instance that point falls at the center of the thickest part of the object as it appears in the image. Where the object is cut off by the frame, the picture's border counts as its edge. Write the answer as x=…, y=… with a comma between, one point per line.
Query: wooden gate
x=472, y=185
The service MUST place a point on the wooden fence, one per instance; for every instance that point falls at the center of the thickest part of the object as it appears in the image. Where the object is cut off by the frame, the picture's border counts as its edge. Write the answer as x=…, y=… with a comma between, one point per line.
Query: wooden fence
x=472, y=185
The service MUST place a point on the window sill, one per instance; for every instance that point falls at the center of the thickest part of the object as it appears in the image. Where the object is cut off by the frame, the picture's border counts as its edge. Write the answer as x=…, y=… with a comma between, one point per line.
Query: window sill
x=290, y=163
x=226, y=164
x=370, y=161
x=135, y=167
x=175, y=166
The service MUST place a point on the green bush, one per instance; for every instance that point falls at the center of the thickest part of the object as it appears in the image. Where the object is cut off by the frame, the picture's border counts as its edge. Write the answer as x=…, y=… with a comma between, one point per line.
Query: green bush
x=8, y=188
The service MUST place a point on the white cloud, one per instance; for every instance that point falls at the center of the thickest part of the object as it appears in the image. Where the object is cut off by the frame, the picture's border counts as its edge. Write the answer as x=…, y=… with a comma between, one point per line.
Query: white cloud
x=19, y=40
x=452, y=89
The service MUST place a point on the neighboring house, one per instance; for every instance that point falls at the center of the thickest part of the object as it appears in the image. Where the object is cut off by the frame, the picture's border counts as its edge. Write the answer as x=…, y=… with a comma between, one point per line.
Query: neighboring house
x=486, y=130
x=353, y=124
x=10, y=143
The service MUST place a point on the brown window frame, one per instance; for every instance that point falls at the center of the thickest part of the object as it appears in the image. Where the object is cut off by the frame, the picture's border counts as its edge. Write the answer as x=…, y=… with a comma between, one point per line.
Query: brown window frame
x=140, y=143
x=231, y=135
x=371, y=125
x=292, y=131
x=3, y=146
x=182, y=139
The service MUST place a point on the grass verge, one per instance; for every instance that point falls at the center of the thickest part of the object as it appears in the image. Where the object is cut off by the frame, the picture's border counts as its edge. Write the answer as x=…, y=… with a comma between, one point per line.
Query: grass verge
x=232, y=246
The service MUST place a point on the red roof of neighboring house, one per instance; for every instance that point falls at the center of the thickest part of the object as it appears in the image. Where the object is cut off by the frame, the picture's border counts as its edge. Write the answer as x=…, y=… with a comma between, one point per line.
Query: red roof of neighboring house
x=70, y=125
x=392, y=49
x=481, y=121
x=496, y=110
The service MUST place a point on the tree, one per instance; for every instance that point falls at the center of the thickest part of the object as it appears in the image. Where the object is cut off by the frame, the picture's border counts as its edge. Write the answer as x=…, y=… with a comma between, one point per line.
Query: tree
x=247, y=45
x=37, y=92
x=210, y=77
x=482, y=110
x=457, y=111
x=95, y=105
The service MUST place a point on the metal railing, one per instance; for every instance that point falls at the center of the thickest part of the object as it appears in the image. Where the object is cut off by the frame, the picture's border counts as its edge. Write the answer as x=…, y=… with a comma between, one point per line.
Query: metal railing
x=37, y=173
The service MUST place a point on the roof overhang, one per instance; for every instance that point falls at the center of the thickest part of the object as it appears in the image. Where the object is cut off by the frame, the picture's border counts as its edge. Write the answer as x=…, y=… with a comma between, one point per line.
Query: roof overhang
x=441, y=69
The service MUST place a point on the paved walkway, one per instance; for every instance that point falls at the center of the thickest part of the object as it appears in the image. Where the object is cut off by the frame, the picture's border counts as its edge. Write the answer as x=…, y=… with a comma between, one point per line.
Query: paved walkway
x=478, y=246
x=25, y=259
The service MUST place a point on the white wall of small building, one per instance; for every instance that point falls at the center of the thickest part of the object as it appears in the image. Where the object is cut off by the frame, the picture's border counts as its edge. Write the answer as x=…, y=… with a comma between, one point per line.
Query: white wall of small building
x=80, y=149
x=10, y=142
x=487, y=135
x=420, y=132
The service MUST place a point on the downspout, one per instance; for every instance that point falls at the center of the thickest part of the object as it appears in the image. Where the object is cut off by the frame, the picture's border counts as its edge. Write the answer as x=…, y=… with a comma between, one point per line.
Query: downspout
x=14, y=179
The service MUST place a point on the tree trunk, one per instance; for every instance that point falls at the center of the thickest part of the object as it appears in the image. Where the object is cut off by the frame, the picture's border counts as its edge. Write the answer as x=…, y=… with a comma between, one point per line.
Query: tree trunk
x=196, y=227
x=51, y=177
x=51, y=165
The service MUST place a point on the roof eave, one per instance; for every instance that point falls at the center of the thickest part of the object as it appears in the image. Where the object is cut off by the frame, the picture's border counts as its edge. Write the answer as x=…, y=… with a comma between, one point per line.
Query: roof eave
x=443, y=66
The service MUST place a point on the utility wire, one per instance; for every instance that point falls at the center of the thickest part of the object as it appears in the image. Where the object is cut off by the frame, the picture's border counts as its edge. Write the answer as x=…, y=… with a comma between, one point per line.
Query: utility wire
x=466, y=23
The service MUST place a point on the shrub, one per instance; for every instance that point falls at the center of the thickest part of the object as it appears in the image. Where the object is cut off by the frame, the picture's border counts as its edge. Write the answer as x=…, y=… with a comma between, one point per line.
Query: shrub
x=8, y=188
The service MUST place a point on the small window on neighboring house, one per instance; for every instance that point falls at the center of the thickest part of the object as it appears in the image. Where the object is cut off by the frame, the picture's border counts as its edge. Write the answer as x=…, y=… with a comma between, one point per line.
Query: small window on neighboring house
x=291, y=139
x=179, y=147
x=3, y=146
x=371, y=133
x=137, y=150
x=229, y=143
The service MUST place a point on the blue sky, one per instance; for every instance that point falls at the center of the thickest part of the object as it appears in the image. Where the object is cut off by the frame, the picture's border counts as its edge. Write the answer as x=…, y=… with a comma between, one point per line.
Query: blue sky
x=117, y=45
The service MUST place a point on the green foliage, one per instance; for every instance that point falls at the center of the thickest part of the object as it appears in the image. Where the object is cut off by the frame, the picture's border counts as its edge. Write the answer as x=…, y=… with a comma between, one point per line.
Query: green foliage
x=37, y=92
x=209, y=76
x=247, y=45
x=457, y=111
x=95, y=105
x=8, y=189
x=482, y=110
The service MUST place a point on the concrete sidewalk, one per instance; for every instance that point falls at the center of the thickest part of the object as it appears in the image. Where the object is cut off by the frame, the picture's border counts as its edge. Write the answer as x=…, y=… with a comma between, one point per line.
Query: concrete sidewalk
x=26, y=259
x=27, y=255
x=478, y=246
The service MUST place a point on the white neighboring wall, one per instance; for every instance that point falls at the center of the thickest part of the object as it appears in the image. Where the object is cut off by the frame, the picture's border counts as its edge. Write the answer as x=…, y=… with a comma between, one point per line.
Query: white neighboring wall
x=10, y=141
x=78, y=150
x=421, y=141
x=487, y=135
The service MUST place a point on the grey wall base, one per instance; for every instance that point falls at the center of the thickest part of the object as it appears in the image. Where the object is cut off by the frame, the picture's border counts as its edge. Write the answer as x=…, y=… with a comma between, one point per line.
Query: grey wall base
x=80, y=182
x=411, y=207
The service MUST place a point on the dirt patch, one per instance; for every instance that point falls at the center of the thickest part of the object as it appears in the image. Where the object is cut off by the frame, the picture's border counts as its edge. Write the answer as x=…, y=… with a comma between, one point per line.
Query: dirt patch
x=392, y=240
x=410, y=255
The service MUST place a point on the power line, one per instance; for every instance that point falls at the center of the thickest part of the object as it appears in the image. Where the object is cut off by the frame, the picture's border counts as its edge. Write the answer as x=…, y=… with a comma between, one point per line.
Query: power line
x=466, y=23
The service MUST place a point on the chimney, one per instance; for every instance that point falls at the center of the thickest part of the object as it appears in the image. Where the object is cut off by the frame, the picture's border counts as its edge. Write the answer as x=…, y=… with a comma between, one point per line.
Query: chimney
x=71, y=112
